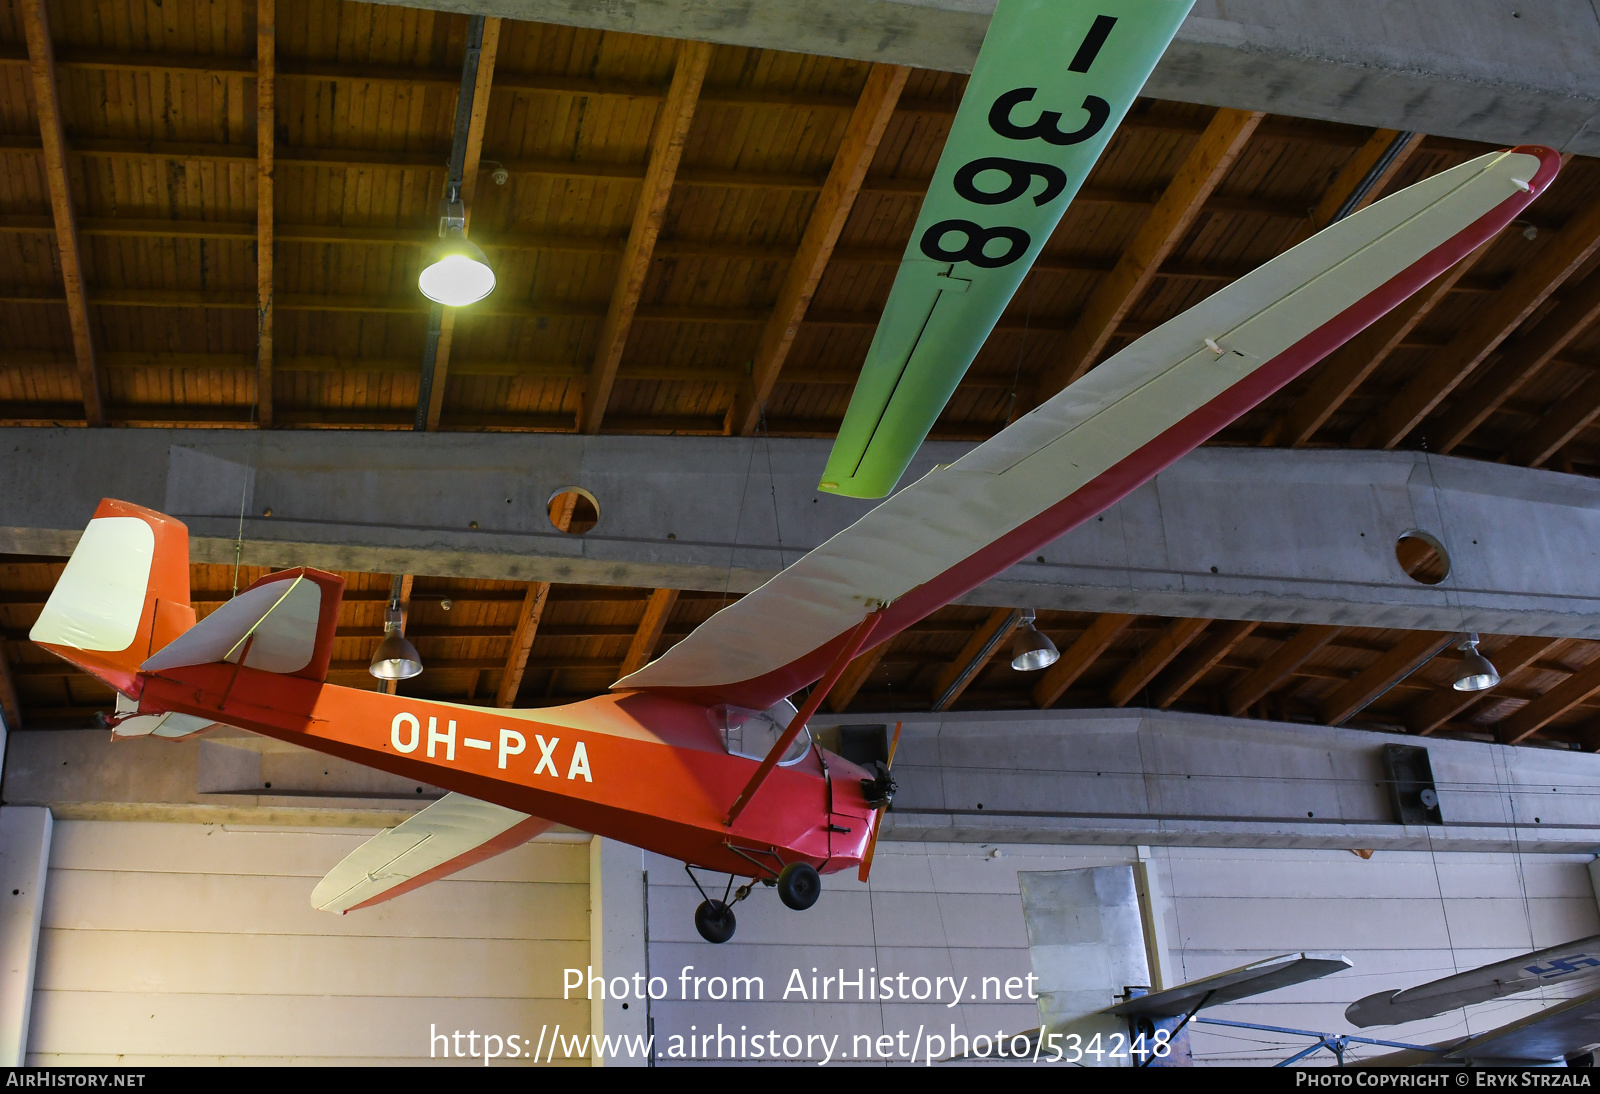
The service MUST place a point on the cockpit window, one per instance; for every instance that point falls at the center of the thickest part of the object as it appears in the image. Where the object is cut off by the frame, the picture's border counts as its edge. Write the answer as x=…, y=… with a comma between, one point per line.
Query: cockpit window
x=752, y=733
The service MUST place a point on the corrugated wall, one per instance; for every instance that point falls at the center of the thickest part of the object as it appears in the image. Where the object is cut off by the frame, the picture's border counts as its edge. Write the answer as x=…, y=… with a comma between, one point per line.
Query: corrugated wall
x=180, y=944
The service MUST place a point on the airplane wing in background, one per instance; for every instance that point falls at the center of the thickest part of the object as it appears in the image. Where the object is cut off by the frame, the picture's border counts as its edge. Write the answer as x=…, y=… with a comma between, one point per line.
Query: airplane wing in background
x=1051, y=85
x=1552, y=965
x=1086, y=447
x=451, y=834
x=1226, y=987
x=1567, y=1029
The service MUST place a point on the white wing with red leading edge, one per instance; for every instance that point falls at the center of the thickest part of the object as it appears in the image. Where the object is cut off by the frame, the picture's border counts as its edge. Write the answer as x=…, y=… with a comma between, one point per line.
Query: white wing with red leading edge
x=1104, y=435
x=451, y=834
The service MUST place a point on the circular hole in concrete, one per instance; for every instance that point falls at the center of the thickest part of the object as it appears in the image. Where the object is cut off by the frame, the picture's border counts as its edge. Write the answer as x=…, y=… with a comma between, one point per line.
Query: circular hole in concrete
x=573, y=510
x=1422, y=557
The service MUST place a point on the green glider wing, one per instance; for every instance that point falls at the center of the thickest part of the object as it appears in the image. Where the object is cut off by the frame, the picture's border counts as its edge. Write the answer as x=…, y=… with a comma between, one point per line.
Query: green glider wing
x=1052, y=83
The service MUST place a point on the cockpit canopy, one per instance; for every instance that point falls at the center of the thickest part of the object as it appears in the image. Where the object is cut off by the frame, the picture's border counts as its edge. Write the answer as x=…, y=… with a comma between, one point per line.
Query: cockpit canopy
x=752, y=733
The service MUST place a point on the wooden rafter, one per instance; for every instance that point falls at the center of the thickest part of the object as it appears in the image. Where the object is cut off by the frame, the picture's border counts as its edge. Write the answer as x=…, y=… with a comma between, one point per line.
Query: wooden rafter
x=1522, y=358
x=974, y=656
x=1482, y=334
x=1555, y=702
x=533, y=602
x=1560, y=425
x=1077, y=658
x=1336, y=378
x=1516, y=655
x=53, y=146
x=1171, y=642
x=1404, y=658
x=1300, y=648
x=1187, y=673
x=666, y=150
x=643, y=647
x=861, y=139
x=1362, y=179
x=856, y=675
x=1182, y=201
x=477, y=122
x=266, y=144
x=10, y=704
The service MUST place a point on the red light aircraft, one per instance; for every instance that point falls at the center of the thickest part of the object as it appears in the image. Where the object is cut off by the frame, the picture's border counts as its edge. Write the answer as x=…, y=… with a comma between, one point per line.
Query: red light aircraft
x=698, y=755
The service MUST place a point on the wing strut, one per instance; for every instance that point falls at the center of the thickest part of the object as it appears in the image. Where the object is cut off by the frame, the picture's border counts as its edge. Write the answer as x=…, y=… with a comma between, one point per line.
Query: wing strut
x=847, y=653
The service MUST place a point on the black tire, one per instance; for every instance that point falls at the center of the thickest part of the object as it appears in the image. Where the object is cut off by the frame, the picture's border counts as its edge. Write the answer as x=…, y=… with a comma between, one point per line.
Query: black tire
x=714, y=920
x=799, y=885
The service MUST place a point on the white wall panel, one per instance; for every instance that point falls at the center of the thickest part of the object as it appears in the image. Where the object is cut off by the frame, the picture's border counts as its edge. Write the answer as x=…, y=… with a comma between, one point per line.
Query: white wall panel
x=172, y=943
x=954, y=909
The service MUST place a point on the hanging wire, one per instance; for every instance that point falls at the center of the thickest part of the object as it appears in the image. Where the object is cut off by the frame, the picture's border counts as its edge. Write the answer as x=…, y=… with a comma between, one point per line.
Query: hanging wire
x=255, y=409
x=772, y=484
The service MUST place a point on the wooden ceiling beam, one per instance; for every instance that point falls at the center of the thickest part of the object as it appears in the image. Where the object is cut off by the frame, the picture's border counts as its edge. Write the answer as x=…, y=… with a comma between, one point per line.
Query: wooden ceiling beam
x=1438, y=708
x=367, y=159
x=861, y=139
x=266, y=145
x=1547, y=436
x=1197, y=663
x=1076, y=659
x=974, y=657
x=855, y=675
x=1406, y=656
x=1364, y=176
x=1278, y=667
x=1522, y=358
x=1171, y=642
x=53, y=149
x=1336, y=378
x=1540, y=712
x=1182, y=201
x=533, y=604
x=10, y=704
x=1490, y=325
x=666, y=151
x=643, y=647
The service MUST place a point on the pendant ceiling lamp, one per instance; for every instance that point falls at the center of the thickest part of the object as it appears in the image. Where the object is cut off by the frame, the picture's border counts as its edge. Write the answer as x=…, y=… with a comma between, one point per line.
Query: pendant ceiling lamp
x=1031, y=650
x=396, y=658
x=457, y=273
x=1475, y=673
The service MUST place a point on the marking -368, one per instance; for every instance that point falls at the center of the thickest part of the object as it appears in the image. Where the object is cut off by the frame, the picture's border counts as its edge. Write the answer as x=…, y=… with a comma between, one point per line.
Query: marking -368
x=512, y=743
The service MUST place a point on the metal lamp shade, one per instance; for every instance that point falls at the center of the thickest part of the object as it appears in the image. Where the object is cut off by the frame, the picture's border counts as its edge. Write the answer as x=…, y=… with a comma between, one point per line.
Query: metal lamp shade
x=1031, y=650
x=396, y=658
x=457, y=273
x=1475, y=673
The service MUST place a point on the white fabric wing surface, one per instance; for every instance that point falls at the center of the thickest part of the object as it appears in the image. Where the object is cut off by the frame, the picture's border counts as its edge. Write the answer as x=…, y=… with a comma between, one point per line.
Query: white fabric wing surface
x=1097, y=422
x=451, y=828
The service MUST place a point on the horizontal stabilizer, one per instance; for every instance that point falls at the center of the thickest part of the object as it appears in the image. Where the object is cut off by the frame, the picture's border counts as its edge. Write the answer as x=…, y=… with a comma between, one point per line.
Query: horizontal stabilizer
x=451, y=834
x=172, y=726
x=1255, y=978
x=1552, y=965
x=284, y=623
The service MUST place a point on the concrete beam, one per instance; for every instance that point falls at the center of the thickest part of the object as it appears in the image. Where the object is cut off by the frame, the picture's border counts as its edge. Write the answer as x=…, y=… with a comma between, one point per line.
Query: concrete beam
x=1486, y=70
x=1300, y=537
x=1145, y=777
x=1108, y=777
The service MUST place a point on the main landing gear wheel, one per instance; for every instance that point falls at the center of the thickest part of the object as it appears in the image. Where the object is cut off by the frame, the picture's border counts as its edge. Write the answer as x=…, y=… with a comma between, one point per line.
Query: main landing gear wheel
x=799, y=886
x=714, y=920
